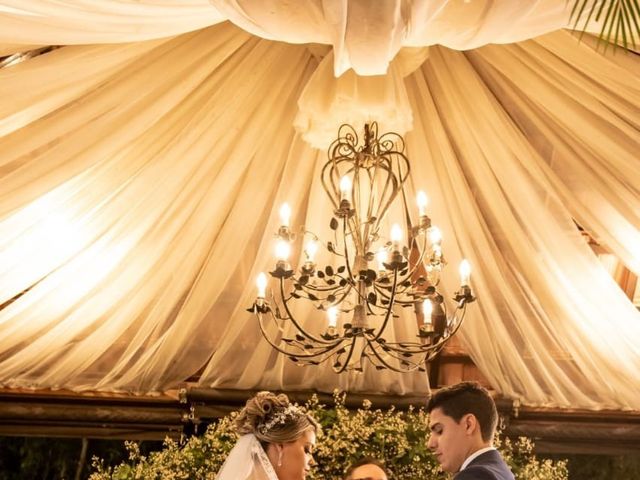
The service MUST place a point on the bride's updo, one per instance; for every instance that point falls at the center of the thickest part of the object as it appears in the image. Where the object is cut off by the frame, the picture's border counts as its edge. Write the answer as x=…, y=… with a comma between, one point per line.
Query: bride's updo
x=273, y=419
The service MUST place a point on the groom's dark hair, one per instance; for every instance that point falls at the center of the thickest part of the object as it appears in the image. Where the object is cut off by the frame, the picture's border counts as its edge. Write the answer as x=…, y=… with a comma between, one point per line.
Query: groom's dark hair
x=456, y=401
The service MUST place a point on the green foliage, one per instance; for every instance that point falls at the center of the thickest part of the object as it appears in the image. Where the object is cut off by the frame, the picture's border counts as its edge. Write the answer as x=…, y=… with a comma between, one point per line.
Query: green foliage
x=397, y=438
x=37, y=458
x=603, y=467
x=34, y=458
x=525, y=465
x=619, y=19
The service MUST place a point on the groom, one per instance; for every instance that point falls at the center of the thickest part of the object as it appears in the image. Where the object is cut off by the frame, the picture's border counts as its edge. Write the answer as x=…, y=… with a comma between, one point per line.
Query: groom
x=462, y=420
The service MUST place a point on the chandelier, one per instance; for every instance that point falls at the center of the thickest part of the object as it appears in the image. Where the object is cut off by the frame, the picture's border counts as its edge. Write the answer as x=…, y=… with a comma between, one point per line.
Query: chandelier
x=360, y=291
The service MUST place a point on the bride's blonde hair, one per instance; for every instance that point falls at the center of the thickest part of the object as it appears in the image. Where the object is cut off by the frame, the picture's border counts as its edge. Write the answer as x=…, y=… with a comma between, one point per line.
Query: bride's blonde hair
x=274, y=419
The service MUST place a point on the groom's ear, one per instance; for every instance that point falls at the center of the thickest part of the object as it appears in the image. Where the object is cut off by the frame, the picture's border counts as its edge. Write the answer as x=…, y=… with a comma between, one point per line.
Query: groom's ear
x=470, y=423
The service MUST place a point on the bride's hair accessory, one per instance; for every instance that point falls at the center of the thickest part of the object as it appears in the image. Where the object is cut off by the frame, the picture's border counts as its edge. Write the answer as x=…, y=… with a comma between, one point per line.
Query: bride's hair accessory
x=279, y=417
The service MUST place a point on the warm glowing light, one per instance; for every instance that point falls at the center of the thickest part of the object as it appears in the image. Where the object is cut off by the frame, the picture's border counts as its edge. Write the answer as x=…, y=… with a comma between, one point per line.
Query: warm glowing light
x=332, y=314
x=423, y=201
x=396, y=234
x=381, y=257
x=261, y=282
x=311, y=250
x=283, y=250
x=285, y=214
x=465, y=272
x=435, y=236
x=427, y=310
x=345, y=188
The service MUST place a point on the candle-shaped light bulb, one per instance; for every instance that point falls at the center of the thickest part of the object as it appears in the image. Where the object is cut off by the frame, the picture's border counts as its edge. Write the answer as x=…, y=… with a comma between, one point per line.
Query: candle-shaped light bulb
x=332, y=315
x=427, y=310
x=396, y=235
x=465, y=272
x=381, y=257
x=283, y=249
x=423, y=201
x=285, y=215
x=345, y=188
x=435, y=236
x=261, y=282
x=311, y=250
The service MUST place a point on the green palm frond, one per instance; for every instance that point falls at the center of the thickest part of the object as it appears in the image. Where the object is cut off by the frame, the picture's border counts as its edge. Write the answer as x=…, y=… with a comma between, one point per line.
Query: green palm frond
x=620, y=20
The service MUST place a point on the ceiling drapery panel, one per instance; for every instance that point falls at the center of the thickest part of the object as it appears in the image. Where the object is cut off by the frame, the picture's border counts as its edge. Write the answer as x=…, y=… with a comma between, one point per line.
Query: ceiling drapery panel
x=545, y=295
x=352, y=28
x=140, y=184
x=73, y=22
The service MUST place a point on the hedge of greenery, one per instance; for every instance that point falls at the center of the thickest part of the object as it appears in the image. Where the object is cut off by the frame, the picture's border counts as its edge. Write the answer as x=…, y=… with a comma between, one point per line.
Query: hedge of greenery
x=395, y=437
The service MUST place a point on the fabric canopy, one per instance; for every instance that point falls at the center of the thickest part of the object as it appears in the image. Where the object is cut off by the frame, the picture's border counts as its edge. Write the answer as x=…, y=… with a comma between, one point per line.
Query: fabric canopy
x=353, y=28
x=141, y=177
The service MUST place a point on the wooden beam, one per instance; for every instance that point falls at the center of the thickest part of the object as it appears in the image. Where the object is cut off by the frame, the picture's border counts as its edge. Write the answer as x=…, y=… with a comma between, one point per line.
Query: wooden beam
x=104, y=415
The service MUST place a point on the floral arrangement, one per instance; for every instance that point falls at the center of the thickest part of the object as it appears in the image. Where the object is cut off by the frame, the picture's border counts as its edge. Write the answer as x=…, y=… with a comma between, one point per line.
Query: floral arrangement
x=394, y=437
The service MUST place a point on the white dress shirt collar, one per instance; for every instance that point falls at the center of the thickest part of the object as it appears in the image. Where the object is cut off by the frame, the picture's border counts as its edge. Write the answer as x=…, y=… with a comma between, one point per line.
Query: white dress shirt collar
x=475, y=454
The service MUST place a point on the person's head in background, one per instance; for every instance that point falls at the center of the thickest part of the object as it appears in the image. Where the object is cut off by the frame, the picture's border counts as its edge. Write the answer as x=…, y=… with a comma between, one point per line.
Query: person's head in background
x=366, y=468
x=462, y=420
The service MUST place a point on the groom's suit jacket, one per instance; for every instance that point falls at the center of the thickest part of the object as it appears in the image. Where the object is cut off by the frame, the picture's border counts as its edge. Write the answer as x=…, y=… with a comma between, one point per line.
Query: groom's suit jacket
x=487, y=466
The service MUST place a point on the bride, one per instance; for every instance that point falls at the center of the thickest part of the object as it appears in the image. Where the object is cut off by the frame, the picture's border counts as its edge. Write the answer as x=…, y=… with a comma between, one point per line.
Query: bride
x=276, y=443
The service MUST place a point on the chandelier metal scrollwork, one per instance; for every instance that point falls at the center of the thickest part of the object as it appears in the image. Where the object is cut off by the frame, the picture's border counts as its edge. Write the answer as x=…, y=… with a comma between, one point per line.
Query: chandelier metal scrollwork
x=369, y=277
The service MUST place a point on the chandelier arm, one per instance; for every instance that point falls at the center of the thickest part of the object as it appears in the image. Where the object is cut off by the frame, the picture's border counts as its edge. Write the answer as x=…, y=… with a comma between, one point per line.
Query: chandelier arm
x=345, y=364
x=390, y=307
x=391, y=179
x=344, y=295
x=354, y=220
x=325, y=351
x=368, y=224
x=387, y=292
x=420, y=258
x=413, y=348
x=462, y=307
x=382, y=290
x=346, y=252
x=331, y=166
x=379, y=357
x=398, y=181
x=275, y=346
x=434, y=347
x=384, y=295
x=387, y=364
x=396, y=147
x=411, y=364
x=294, y=321
x=337, y=290
x=335, y=239
x=330, y=345
x=314, y=288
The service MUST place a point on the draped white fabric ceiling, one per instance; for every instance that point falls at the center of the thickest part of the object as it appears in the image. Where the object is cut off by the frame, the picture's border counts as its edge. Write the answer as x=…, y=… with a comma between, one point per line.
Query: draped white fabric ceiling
x=142, y=166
